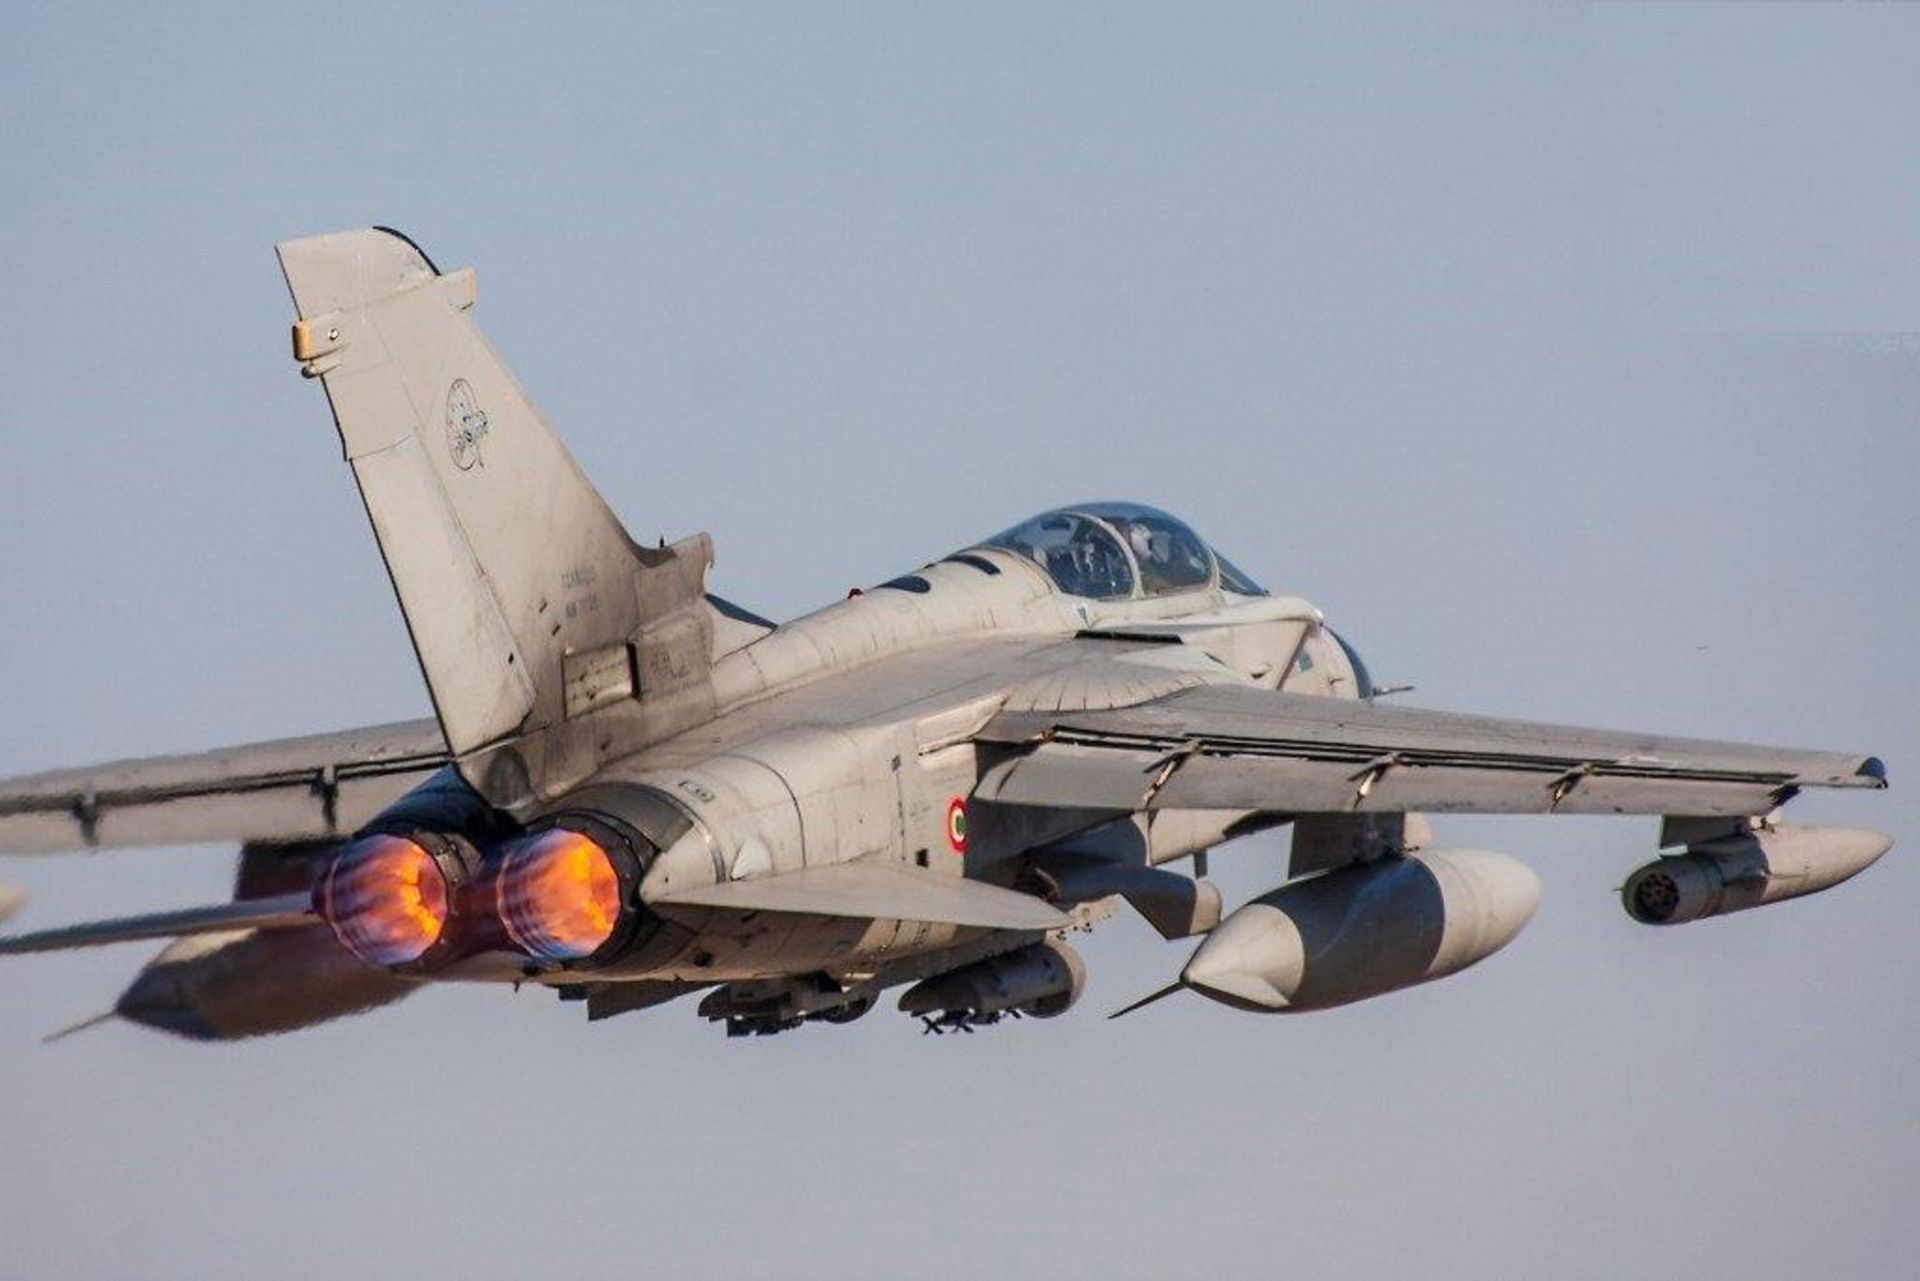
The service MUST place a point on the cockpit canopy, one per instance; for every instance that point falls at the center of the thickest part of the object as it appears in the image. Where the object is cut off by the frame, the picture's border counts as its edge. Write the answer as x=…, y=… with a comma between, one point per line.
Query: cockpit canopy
x=1115, y=551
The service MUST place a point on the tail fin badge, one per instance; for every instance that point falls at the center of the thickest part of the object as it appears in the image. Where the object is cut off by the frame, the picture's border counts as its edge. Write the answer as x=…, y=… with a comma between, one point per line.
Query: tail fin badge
x=466, y=426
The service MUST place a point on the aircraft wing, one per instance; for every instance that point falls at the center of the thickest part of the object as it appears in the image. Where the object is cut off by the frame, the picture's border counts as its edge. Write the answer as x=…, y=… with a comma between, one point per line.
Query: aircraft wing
x=1240, y=747
x=293, y=789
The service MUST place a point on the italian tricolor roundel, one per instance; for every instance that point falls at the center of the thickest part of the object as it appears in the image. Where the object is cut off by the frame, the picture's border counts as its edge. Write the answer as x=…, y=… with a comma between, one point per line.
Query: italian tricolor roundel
x=957, y=824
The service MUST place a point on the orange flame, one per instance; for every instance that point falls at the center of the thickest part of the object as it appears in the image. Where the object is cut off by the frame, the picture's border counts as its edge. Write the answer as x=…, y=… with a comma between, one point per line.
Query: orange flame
x=559, y=895
x=385, y=899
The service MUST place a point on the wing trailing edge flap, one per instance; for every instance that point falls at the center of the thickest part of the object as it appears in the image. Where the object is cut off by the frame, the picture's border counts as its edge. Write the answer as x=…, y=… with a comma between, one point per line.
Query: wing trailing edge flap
x=882, y=891
x=283, y=912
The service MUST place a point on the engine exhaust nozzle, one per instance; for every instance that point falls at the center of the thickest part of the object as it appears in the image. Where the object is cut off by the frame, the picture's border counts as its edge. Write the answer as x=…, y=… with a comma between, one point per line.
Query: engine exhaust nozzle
x=560, y=894
x=386, y=898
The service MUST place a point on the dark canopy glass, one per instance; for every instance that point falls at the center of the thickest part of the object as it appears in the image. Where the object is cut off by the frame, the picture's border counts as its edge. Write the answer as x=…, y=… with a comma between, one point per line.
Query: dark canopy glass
x=1113, y=551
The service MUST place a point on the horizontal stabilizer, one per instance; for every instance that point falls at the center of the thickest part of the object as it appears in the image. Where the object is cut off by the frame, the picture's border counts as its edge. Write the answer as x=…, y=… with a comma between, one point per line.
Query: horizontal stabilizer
x=883, y=891
x=283, y=912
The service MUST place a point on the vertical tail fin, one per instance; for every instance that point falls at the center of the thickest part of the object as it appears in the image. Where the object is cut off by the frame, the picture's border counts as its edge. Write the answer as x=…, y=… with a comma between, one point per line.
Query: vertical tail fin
x=530, y=608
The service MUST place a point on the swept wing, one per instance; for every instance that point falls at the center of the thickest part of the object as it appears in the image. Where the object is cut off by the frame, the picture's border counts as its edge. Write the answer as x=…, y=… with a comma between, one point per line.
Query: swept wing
x=293, y=789
x=1240, y=747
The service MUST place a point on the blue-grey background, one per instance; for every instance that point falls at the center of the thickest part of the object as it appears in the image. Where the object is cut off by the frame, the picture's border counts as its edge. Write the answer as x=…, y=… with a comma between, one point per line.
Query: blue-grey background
x=1564, y=356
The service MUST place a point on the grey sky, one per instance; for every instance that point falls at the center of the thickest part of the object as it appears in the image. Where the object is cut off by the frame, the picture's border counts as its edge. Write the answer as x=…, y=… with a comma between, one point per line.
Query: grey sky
x=1556, y=353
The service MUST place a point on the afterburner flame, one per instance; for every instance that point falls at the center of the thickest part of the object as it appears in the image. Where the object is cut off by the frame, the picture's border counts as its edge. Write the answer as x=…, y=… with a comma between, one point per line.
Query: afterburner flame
x=385, y=899
x=559, y=895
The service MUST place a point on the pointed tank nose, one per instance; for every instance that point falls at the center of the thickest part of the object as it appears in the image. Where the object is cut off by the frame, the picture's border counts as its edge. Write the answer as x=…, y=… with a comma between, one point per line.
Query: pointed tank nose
x=1253, y=960
x=158, y=1000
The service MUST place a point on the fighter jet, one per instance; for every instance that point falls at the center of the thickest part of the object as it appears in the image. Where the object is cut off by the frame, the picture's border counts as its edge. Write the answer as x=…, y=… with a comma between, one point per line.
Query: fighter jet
x=634, y=791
